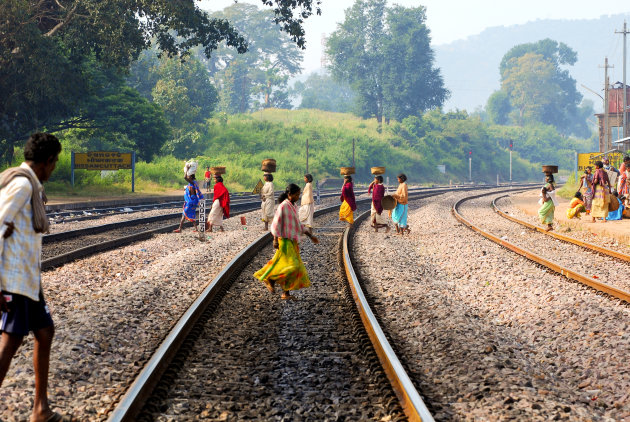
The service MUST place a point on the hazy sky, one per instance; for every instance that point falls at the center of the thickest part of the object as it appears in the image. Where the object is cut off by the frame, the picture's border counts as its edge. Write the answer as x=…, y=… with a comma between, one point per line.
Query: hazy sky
x=450, y=20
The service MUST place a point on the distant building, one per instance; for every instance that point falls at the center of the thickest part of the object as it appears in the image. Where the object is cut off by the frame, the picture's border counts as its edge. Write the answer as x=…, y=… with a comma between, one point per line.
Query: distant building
x=615, y=119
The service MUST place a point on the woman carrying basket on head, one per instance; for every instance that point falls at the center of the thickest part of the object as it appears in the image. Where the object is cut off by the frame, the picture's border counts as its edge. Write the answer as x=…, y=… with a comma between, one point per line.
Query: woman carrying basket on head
x=548, y=202
x=307, y=209
x=192, y=195
x=220, y=205
x=400, y=213
x=379, y=219
x=286, y=267
x=348, y=204
x=268, y=200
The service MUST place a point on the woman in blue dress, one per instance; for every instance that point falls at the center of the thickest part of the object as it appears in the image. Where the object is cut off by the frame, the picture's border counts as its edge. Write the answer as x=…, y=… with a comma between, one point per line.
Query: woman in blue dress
x=192, y=196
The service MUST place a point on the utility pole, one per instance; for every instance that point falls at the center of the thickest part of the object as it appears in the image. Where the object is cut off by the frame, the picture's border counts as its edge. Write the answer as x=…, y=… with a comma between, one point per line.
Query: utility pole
x=470, y=166
x=352, y=152
x=306, y=155
x=606, y=125
x=511, y=148
x=625, y=105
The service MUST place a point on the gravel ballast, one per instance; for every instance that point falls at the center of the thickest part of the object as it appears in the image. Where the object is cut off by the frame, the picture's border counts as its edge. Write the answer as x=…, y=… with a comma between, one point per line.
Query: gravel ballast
x=487, y=334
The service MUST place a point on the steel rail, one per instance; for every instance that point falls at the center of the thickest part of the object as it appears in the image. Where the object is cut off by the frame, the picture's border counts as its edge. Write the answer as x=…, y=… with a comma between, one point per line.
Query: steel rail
x=568, y=239
x=141, y=388
x=568, y=273
x=410, y=399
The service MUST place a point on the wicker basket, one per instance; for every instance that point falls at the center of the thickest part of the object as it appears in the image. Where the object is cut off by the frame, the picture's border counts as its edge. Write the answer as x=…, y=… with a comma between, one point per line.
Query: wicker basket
x=377, y=170
x=217, y=171
x=388, y=202
x=346, y=171
x=268, y=165
x=549, y=169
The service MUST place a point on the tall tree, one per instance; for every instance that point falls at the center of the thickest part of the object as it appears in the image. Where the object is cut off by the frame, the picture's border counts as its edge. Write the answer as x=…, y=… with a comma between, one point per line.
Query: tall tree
x=385, y=55
x=534, y=76
x=260, y=76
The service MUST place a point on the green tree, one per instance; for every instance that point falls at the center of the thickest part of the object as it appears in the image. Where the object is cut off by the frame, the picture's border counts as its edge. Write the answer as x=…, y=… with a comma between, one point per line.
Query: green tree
x=385, y=56
x=539, y=69
x=49, y=47
x=322, y=92
x=258, y=78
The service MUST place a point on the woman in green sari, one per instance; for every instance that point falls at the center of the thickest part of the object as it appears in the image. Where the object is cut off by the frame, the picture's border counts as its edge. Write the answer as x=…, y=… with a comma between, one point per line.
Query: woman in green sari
x=548, y=202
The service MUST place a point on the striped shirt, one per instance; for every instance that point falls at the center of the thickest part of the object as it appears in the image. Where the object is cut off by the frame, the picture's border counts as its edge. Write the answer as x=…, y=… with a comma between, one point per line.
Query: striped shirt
x=286, y=222
x=20, y=253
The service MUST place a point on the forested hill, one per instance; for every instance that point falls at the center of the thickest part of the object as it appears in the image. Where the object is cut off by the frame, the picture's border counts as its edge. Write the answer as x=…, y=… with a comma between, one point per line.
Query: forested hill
x=470, y=67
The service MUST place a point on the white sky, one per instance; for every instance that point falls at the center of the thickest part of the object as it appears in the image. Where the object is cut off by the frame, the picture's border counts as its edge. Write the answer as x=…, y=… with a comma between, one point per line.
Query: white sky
x=449, y=20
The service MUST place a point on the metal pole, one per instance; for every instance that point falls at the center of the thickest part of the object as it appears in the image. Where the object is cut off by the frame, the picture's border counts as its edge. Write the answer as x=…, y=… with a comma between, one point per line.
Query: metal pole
x=72, y=168
x=625, y=93
x=576, y=165
x=606, y=114
x=352, y=152
x=510, y=167
x=497, y=179
x=307, y=155
x=133, y=171
x=470, y=169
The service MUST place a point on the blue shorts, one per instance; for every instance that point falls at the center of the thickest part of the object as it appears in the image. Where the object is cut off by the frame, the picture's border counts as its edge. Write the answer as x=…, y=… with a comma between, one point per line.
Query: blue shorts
x=24, y=315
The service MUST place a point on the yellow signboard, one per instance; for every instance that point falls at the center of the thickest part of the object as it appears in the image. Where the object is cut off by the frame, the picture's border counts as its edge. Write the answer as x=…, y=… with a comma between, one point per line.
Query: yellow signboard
x=588, y=159
x=102, y=160
x=258, y=187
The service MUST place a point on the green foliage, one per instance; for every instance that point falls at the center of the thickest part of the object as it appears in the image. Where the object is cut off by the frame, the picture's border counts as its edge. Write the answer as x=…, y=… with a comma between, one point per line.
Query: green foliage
x=258, y=78
x=540, y=89
x=322, y=92
x=385, y=55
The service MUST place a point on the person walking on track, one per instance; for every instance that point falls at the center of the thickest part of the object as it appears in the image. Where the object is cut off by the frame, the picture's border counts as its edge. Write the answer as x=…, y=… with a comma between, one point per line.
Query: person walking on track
x=376, y=210
x=220, y=205
x=268, y=200
x=286, y=267
x=400, y=213
x=192, y=196
x=207, y=180
x=547, y=202
x=586, y=187
x=22, y=306
x=348, y=204
x=307, y=208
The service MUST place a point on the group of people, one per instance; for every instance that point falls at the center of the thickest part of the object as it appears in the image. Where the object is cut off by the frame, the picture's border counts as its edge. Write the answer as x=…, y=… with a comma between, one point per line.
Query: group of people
x=192, y=195
x=379, y=218
x=602, y=194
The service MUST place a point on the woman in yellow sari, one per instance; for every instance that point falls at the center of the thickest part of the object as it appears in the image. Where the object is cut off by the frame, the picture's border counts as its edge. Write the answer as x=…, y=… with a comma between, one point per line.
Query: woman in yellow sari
x=286, y=267
x=601, y=196
x=348, y=204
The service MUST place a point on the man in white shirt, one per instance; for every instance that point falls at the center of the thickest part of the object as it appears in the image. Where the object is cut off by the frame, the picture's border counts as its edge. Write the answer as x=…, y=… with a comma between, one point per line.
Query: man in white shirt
x=22, y=222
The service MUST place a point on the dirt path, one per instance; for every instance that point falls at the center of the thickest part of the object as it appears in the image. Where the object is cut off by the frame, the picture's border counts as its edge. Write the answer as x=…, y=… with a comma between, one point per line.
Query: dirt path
x=619, y=230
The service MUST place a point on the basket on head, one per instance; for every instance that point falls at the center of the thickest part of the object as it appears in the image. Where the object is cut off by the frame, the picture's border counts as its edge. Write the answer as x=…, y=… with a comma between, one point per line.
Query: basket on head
x=388, y=202
x=549, y=169
x=377, y=170
x=217, y=171
x=268, y=165
x=346, y=171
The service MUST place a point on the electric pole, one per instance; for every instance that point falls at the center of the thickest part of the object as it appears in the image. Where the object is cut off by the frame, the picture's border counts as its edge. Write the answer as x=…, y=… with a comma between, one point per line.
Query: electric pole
x=624, y=111
x=352, y=152
x=306, y=155
x=606, y=127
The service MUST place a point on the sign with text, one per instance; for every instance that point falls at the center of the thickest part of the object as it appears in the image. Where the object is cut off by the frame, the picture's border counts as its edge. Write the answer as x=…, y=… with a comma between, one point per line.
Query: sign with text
x=103, y=160
x=588, y=159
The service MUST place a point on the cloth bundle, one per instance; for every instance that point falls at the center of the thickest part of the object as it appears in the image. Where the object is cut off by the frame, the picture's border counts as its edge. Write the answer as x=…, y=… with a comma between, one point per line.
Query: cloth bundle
x=190, y=168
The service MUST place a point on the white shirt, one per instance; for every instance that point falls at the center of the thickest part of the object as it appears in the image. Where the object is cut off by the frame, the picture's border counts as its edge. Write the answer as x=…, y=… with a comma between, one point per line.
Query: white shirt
x=20, y=254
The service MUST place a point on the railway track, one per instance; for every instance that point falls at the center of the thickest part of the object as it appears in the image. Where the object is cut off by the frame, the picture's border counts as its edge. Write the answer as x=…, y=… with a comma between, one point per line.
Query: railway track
x=241, y=353
x=594, y=266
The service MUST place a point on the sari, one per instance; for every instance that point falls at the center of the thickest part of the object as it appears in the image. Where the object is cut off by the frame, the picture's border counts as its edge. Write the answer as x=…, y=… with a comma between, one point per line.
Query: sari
x=307, y=209
x=192, y=195
x=286, y=267
x=548, y=208
x=220, y=205
x=601, y=197
x=376, y=210
x=399, y=215
x=618, y=214
x=348, y=205
x=268, y=202
x=575, y=208
x=587, y=191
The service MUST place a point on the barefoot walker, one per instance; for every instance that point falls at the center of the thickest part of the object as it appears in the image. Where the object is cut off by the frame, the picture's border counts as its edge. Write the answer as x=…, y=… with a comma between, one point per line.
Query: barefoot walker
x=286, y=267
x=548, y=202
x=22, y=306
